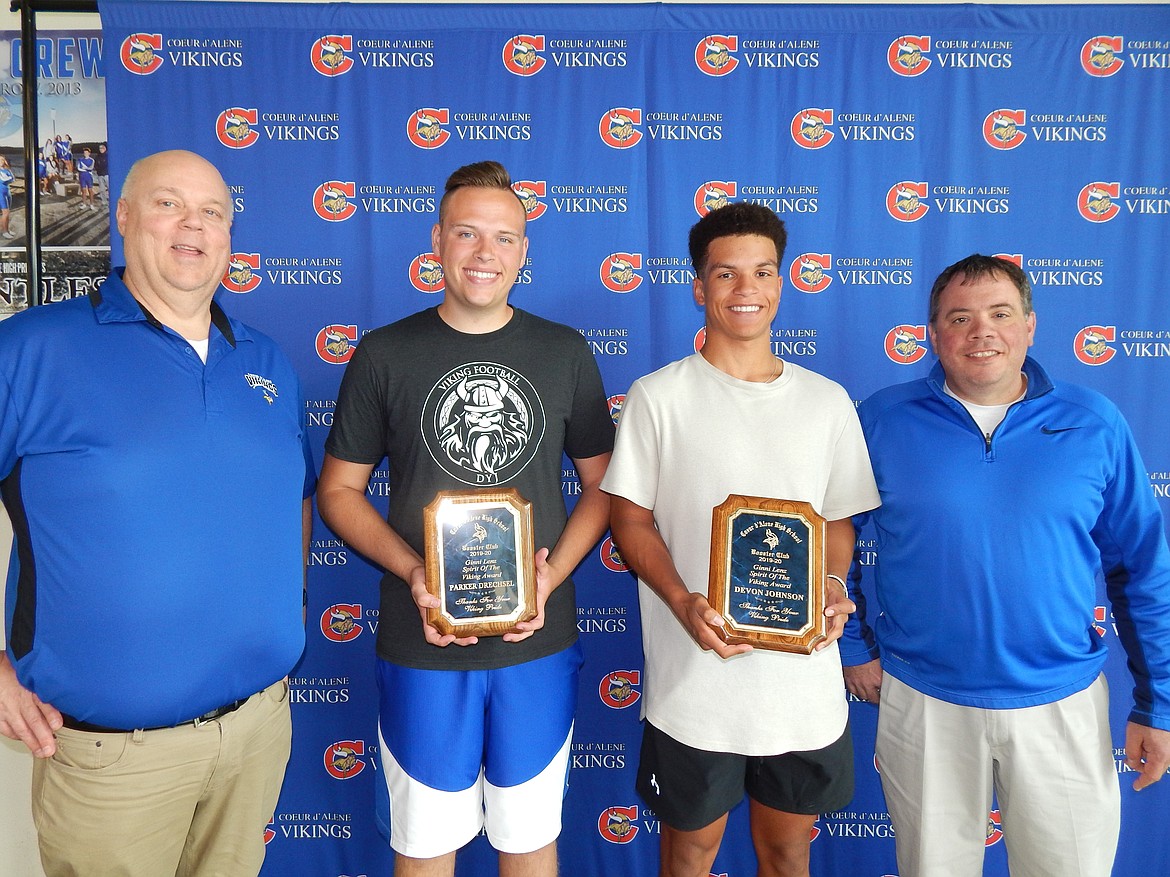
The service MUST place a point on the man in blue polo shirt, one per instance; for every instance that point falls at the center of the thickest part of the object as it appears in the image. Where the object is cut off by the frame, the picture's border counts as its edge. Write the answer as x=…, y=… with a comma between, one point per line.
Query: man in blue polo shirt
x=154, y=464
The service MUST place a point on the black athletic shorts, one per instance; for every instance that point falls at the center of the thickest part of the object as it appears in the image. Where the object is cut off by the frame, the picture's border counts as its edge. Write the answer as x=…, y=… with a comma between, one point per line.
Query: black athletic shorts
x=690, y=788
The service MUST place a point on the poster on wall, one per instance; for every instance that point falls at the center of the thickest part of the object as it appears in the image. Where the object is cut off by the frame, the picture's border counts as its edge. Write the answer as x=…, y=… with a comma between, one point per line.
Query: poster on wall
x=71, y=172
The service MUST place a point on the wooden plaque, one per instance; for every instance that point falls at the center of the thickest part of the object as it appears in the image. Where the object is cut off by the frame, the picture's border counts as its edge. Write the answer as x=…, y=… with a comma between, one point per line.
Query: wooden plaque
x=767, y=575
x=479, y=560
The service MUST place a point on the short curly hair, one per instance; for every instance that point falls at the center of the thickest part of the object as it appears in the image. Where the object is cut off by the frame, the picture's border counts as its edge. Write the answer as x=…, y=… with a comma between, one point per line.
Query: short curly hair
x=732, y=220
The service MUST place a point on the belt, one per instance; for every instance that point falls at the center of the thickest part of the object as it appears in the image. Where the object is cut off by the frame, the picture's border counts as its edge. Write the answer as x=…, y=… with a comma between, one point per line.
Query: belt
x=78, y=725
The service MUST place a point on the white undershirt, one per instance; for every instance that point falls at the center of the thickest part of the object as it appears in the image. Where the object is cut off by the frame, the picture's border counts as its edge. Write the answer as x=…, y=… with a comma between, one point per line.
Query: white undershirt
x=200, y=347
x=988, y=417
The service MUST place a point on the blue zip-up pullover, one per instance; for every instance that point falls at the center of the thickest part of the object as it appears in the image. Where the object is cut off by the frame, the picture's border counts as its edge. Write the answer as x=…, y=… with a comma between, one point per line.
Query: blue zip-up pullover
x=989, y=550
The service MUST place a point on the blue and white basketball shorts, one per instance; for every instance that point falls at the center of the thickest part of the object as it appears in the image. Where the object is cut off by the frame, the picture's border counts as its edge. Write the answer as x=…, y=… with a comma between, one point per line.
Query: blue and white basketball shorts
x=461, y=749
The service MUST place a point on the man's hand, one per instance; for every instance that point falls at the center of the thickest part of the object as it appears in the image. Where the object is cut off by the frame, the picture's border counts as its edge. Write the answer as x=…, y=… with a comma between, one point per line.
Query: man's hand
x=23, y=716
x=703, y=623
x=865, y=680
x=838, y=609
x=1147, y=750
x=425, y=600
x=646, y=553
x=545, y=576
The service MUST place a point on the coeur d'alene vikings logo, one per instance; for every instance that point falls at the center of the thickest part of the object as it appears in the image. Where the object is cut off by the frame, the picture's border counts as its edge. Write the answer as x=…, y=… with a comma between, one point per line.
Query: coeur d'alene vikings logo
x=425, y=128
x=1100, y=617
x=617, y=825
x=905, y=55
x=426, y=273
x=1091, y=345
x=616, y=403
x=140, y=53
x=905, y=344
x=994, y=829
x=235, y=127
x=328, y=55
x=521, y=54
x=904, y=201
x=243, y=273
x=713, y=54
x=618, y=689
x=1004, y=129
x=809, y=128
x=618, y=129
x=1097, y=202
x=482, y=423
x=336, y=343
x=611, y=558
x=331, y=200
x=1099, y=56
x=340, y=624
x=342, y=759
x=714, y=194
x=809, y=272
x=530, y=192
x=619, y=272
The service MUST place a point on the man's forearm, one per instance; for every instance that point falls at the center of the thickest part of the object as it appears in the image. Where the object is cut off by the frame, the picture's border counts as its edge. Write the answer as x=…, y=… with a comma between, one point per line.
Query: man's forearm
x=583, y=530
x=644, y=551
x=840, y=538
x=350, y=515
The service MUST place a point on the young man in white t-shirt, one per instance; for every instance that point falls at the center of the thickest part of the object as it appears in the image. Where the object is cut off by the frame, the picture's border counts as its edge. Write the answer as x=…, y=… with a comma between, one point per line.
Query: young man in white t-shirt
x=734, y=419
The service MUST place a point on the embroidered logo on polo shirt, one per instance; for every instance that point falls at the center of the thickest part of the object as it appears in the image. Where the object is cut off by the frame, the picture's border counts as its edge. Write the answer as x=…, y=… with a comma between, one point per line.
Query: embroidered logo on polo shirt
x=265, y=386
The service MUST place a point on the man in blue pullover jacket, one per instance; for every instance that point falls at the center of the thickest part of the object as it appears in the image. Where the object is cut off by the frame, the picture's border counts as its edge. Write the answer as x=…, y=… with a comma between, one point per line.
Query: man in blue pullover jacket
x=1004, y=497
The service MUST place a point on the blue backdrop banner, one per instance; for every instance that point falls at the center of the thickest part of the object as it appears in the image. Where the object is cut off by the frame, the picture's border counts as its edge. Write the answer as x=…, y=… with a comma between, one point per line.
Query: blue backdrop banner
x=893, y=140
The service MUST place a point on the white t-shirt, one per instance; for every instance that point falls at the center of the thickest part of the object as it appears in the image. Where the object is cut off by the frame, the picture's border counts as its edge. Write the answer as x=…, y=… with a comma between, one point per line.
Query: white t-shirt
x=689, y=436
x=987, y=417
x=200, y=346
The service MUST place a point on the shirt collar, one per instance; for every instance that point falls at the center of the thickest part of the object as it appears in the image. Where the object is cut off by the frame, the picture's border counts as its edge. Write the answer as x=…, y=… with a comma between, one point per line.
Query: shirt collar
x=113, y=302
x=1038, y=381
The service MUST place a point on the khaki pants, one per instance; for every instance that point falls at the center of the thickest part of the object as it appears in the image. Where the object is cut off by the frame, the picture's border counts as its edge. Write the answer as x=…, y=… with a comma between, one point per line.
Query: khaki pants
x=192, y=801
x=1051, y=767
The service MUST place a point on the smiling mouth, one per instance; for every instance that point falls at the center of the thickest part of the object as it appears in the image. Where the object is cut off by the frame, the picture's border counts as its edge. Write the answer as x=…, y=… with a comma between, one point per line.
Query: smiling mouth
x=983, y=354
x=481, y=275
x=746, y=309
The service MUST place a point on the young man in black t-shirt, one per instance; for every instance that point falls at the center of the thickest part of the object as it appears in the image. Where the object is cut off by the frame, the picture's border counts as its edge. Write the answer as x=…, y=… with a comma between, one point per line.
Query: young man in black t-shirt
x=472, y=393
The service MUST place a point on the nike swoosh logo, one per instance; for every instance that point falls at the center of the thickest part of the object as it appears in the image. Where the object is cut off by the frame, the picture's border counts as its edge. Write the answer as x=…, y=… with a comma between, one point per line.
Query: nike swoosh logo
x=1051, y=430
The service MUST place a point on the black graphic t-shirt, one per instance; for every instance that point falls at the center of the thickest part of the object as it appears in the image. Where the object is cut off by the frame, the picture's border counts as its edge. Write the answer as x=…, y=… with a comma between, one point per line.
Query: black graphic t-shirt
x=450, y=411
